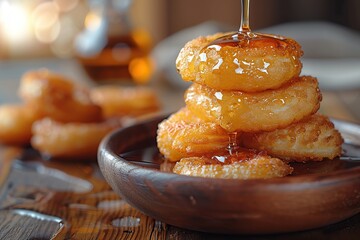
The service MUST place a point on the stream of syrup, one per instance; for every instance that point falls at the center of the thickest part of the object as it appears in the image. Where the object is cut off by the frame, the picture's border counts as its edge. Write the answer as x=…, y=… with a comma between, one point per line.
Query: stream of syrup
x=233, y=146
x=245, y=17
x=243, y=38
x=234, y=39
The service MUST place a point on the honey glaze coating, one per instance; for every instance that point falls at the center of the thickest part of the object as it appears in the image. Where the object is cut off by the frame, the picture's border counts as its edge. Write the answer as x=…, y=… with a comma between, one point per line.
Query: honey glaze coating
x=237, y=166
x=185, y=135
x=253, y=112
x=311, y=139
x=247, y=61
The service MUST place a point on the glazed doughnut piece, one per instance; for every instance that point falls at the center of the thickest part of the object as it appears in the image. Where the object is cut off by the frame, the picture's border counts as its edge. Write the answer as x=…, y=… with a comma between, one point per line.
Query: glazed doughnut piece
x=56, y=97
x=15, y=124
x=261, y=62
x=70, y=140
x=129, y=101
x=253, y=112
x=258, y=167
x=312, y=139
x=185, y=135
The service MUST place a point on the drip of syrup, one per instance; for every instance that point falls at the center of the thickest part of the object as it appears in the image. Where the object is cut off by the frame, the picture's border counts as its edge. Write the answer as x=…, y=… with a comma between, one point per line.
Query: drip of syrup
x=232, y=147
x=232, y=153
x=245, y=37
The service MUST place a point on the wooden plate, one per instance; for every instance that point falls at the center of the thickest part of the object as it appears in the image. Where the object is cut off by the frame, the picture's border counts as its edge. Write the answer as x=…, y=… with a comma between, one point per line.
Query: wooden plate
x=322, y=194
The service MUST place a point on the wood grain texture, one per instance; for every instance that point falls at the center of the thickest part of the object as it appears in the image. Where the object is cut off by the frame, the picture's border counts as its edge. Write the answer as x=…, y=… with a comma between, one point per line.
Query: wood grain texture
x=43, y=199
x=227, y=206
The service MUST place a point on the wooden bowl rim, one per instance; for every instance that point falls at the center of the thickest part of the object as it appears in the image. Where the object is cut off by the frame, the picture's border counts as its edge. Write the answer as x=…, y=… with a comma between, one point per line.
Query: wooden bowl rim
x=293, y=182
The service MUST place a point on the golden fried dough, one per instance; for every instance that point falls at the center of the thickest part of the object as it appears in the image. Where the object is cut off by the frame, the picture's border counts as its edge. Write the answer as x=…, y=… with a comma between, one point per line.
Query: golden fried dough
x=15, y=124
x=261, y=166
x=260, y=111
x=314, y=138
x=77, y=140
x=120, y=101
x=260, y=63
x=184, y=135
x=58, y=98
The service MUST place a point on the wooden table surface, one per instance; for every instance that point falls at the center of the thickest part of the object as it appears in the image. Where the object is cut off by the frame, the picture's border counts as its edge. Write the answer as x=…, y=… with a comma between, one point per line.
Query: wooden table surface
x=44, y=199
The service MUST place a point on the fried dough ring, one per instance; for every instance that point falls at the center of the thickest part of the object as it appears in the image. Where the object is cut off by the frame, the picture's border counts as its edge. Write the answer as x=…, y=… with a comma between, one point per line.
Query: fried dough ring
x=129, y=101
x=312, y=139
x=58, y=98
x=15, y=124
x=75, y=140
x=184, y=135
x=252, y=112
x=261, y=166
x=264, y=63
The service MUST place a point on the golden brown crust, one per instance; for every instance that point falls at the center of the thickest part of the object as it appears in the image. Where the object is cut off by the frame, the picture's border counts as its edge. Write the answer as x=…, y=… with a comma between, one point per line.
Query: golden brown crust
x=312, y=139
x=184, y=135
x=264, y=63
x=58, y=98
x=261, y=166
x=15, y=123
x=260, y=111
x=76, y=140
x=125, y=101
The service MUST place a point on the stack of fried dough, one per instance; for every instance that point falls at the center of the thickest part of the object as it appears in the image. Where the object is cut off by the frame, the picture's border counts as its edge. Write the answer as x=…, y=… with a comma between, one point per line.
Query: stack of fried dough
x=255, y=90
x=63, y=119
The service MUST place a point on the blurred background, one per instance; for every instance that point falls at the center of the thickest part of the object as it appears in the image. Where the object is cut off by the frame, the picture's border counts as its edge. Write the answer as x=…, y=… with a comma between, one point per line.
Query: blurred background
x=138, y=40
x=41, y=28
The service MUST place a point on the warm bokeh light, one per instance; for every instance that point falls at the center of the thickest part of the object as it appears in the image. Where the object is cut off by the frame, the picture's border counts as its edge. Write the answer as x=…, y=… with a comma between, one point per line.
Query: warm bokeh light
x=141, y=69
x=45, y=15
x=48, y=34
x=66, y=5
x=38, y=27
x=92, y=20
x=14, y=21
x=142, y=38
x=46, y=22
x=45, y=27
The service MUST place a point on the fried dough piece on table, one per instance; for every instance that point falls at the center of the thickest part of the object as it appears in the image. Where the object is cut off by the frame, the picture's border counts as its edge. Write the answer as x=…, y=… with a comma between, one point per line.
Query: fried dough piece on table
x=125, y=101
x=56, y=97
x=15, y=123
x=65, y=140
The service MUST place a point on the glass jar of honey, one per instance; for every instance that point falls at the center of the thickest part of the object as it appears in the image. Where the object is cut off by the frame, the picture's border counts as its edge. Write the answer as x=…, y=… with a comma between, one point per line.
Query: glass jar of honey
x=110, y=48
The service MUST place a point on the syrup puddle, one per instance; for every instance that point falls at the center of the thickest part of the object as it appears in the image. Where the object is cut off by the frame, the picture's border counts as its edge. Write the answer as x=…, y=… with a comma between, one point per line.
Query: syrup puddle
x=156, y=161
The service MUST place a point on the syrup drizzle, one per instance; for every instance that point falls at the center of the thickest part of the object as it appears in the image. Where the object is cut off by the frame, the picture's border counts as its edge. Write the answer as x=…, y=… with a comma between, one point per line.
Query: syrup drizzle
x=244, y=20
x=232, y=153
x=233, y=146
x=244, y=36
